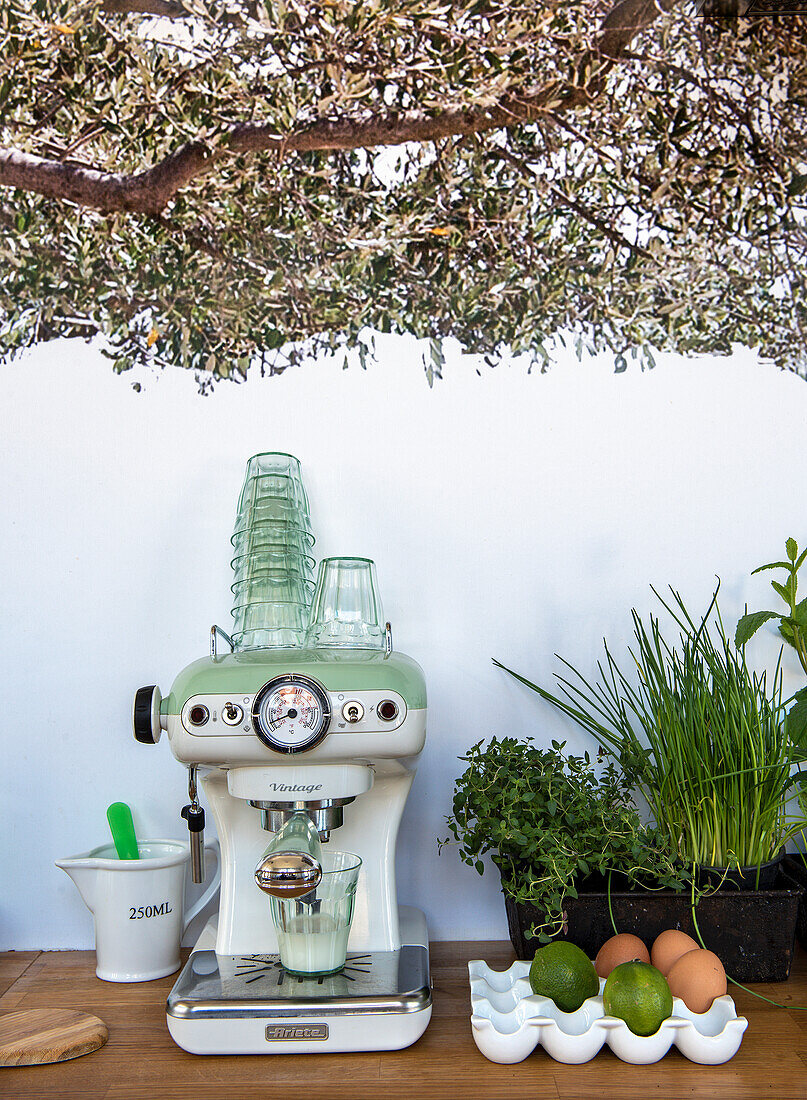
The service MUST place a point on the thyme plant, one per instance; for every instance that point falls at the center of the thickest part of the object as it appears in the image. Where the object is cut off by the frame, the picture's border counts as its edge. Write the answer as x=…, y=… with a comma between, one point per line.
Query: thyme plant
x=548, y=821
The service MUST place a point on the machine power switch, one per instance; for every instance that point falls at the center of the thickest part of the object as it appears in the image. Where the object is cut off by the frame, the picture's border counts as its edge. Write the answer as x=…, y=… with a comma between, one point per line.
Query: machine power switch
x=232, y=714
x=353, y=711
x=146, y=715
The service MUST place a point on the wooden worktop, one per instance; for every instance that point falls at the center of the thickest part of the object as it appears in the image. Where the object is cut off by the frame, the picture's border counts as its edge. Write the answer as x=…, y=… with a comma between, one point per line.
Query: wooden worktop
x=140, y=1060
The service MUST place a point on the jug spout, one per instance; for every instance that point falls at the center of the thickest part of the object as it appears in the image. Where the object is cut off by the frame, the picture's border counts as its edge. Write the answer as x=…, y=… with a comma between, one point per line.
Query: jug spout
x=83, y=870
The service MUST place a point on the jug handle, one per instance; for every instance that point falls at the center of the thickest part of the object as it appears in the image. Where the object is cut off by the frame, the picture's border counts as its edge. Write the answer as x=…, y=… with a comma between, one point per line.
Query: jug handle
x=215, y=883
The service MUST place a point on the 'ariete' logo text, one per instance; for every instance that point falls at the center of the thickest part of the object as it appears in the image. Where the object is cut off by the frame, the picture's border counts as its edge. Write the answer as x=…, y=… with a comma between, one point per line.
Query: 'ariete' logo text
x=280, y=1032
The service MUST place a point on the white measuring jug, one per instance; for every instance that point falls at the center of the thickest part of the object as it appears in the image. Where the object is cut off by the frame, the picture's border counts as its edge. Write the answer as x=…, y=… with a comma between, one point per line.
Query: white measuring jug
x=138, y=906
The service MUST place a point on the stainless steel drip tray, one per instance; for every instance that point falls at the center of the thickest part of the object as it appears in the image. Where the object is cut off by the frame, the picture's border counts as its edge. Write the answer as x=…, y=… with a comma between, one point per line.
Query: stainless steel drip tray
x=257, y=986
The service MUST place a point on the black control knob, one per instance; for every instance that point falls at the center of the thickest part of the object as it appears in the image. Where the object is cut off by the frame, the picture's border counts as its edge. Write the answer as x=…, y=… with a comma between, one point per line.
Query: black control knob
x=146, y=715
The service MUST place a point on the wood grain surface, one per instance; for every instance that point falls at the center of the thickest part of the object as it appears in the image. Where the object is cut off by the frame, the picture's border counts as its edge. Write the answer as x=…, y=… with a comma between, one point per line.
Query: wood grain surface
x=140, y=1060
x=34, y=1036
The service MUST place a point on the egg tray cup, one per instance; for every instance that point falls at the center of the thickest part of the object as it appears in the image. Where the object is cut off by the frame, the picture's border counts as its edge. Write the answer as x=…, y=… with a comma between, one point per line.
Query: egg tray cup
x=509, y=1021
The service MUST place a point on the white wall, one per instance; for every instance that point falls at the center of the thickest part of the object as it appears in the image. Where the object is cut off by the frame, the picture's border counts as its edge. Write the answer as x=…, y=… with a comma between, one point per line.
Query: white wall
x=510, y=515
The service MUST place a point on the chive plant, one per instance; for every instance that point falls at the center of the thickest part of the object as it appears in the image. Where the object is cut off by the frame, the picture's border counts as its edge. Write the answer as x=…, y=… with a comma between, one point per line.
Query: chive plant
x=702, y=736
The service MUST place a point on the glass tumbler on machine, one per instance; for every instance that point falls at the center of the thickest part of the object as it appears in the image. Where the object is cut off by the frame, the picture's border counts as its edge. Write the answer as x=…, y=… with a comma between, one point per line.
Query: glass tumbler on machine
x=313, y=930
x=346, y=610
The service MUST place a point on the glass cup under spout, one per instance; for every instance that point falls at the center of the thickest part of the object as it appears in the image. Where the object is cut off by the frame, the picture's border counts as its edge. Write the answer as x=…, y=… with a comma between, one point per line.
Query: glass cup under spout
x=313, y=930
x=346, y=611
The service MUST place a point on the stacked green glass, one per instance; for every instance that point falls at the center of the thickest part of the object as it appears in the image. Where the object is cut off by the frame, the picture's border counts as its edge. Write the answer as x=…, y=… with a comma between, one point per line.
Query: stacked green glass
x=272, y=567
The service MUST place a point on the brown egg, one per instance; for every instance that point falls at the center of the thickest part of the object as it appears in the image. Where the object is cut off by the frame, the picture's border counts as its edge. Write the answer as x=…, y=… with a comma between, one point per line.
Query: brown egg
x=669, y=947
x=697, y=978
x=620, y=949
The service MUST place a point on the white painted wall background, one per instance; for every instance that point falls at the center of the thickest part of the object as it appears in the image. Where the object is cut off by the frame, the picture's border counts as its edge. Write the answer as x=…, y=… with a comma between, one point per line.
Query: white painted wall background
x=510, y=515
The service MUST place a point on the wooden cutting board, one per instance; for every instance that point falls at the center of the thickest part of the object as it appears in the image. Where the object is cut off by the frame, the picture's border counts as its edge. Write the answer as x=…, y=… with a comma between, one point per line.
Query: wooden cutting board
x=37, y=1035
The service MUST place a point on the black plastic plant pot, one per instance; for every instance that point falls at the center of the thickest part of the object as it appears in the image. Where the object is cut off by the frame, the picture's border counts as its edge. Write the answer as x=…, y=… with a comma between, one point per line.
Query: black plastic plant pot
x=794, y=867
x=759, y=877
x=752, y=932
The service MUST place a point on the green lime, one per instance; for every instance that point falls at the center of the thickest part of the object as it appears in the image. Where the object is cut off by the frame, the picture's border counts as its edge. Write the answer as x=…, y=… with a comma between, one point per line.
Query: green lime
x=564, y=973
x=638, y=994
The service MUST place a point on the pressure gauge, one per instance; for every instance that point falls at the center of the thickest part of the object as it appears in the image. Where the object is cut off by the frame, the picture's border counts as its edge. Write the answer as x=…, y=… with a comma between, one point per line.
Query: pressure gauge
x=291, y=713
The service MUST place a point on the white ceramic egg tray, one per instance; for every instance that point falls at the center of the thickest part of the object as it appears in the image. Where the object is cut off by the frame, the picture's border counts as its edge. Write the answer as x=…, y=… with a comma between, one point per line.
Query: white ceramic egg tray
x=509, y=1021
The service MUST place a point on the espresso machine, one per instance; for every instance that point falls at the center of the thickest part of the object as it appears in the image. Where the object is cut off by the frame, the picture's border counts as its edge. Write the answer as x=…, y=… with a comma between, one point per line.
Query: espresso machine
x=323, y=728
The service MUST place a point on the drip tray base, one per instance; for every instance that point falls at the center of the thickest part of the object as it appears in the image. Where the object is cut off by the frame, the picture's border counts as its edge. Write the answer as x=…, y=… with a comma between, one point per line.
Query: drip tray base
x=248, y=1004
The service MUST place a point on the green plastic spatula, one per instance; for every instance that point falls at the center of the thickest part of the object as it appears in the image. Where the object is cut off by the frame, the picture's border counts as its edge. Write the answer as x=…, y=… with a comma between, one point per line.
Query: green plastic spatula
x=120, y=821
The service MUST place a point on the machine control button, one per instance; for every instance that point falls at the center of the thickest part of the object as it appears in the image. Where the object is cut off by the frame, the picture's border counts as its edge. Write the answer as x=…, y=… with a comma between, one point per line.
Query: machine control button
x=198, y=715
x=353, y=712
x=387, y=710
x=232, y=714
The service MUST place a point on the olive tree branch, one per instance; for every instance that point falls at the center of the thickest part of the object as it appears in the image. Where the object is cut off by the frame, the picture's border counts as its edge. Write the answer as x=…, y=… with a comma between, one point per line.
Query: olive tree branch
x=150, y=191
x=168, y=9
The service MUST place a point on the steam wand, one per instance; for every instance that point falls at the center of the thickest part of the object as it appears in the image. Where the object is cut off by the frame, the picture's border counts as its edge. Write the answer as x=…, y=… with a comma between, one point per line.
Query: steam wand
x=195, y=817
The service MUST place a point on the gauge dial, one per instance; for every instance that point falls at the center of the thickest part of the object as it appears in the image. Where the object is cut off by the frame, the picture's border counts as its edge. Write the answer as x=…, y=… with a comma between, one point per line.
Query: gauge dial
x=291, y=713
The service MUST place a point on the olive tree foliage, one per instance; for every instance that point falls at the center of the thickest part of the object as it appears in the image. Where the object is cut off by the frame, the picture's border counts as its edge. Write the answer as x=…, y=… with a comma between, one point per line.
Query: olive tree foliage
x=231, y=184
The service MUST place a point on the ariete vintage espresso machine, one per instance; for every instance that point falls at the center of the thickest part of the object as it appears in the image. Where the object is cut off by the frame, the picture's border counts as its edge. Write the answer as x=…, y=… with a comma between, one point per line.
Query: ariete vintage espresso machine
x=310, y=713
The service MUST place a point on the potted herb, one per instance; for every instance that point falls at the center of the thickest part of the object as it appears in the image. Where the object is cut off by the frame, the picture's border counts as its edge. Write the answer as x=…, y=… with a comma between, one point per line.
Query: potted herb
x=552, y=825
x=704, y=739
x=792, y=622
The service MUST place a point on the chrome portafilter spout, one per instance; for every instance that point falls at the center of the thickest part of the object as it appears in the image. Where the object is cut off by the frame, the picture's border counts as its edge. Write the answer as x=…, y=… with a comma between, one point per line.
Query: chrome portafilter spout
x=288, y=874
x=291, y=866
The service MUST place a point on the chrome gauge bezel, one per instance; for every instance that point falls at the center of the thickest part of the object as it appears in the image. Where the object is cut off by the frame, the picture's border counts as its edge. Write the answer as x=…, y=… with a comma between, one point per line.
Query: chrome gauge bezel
x=321, y=697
